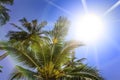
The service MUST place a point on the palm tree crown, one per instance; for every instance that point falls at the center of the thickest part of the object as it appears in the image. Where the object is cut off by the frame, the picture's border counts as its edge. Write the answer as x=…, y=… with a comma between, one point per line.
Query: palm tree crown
x=50, y=58
x=27, y=29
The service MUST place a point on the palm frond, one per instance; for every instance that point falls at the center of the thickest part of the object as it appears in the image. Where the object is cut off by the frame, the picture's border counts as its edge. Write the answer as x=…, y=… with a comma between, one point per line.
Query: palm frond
x=3, y=56
x=84, y=71
x=22, y=73
x=81, y=60
x=34, y=23
x=21, y=56
x=27, y=30
x=14, y=25
x=6, y=2
x=27, y=25
x=4, y=16
x=18, y=35
x=41, y=25
x=60, y=29
x=66, y=51
x=2, y=45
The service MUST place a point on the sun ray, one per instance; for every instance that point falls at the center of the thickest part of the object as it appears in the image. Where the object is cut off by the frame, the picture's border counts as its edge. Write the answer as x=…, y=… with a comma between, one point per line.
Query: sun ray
x=84, y=6
x=58, y=7
x=112, y=8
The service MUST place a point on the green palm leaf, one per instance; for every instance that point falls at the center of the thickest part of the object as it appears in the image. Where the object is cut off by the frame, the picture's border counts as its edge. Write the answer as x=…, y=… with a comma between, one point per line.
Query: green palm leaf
x=27, y=29
x=21, y=56
x=67, y=51
x=47, y=53
x=4, y=15
x=22, y=73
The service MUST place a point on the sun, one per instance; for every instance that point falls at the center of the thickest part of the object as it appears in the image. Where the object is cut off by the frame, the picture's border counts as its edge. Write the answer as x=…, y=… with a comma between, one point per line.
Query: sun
x=89, y=28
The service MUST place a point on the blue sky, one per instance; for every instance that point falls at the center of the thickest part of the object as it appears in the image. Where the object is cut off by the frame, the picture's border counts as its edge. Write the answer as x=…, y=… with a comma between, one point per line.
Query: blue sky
x=105, y=54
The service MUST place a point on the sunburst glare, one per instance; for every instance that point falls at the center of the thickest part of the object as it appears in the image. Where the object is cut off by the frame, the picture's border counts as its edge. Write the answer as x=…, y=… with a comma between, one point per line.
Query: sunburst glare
x=88, y=28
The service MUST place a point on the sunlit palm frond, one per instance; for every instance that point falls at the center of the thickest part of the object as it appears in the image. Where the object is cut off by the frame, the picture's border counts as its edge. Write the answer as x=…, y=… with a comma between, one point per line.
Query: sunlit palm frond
x=73, y=63
x=83, y=71
x=21, y=73
x=66, y=51
x=60, y=29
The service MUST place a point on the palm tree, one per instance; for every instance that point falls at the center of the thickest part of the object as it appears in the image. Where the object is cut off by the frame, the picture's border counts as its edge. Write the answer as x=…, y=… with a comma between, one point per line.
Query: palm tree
x=27, y=31
x=4, y=16
x=47, y=59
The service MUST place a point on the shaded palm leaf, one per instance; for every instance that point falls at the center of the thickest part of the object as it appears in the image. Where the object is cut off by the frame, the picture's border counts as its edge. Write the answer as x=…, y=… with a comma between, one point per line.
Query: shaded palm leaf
x=27, y=30
x=18, y=35
x=4, y=16
x=6, y=2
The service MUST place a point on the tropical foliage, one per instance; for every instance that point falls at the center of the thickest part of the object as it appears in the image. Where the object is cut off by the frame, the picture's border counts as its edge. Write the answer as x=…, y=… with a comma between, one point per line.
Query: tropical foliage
x=46, y=55
x=0, y=68
x=27, y=29
x=4, y=16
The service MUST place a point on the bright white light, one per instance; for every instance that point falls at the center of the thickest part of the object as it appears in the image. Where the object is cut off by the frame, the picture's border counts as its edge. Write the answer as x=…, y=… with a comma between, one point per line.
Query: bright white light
x=89, y=28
